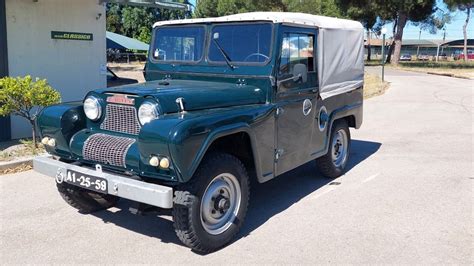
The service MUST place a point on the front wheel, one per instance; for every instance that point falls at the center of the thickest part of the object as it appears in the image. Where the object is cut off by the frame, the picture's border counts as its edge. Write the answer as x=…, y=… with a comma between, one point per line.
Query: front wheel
x=332, y=164
x=209, y=210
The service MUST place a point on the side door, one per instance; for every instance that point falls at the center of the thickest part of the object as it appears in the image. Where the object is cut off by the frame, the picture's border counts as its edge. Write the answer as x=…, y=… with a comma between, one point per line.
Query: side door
x=296, y=98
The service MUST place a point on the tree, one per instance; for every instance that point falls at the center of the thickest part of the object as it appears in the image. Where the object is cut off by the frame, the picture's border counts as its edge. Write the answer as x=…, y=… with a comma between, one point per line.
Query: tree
x=206, y=8
x=316, y=7
x=114, y=19
x=230, y=7
x=464, y=6
x=137, y=22
x=215, y=8
x=23, y=97
x=400, y=13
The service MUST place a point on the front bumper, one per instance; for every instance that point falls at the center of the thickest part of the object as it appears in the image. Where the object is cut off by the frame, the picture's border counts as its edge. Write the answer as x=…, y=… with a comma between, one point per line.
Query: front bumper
x=118, y=185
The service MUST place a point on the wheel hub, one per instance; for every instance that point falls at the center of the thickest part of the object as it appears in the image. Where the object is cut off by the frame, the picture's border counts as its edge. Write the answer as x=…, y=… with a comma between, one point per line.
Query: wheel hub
x=339, y=148
x=220, y=203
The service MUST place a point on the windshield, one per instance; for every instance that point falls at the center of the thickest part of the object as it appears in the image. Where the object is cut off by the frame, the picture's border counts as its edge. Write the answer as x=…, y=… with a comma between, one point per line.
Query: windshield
x=245, y=43
x=179, y=44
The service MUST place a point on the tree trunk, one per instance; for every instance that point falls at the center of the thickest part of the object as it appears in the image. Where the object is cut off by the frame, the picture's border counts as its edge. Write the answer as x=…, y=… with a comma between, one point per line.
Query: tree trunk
x=464, y=31
x=368, y=45
x=390, y=51
x=33, y=132
x=402, y=21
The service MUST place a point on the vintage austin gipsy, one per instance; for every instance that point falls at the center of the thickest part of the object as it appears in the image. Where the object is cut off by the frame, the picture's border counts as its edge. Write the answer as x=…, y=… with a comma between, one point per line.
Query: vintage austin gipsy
x=227, y=100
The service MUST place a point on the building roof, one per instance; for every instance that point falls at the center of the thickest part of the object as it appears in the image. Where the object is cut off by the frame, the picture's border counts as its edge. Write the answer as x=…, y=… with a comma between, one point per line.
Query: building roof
x=407, y=42
x=276, y=17
x=166, y=4
x=459, y=43
x=117, y=41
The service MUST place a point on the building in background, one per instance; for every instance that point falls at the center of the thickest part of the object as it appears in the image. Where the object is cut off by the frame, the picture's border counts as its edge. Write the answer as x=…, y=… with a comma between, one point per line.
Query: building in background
x=415, y=47
x=63, y=41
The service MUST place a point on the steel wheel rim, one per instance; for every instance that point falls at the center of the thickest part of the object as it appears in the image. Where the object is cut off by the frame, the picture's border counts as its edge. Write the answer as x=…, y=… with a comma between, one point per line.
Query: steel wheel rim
x=339, y=148
x=220, y=203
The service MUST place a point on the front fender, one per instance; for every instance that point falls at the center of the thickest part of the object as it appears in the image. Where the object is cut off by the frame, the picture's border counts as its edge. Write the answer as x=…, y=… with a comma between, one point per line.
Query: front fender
x=191, y=139
x=61, y=122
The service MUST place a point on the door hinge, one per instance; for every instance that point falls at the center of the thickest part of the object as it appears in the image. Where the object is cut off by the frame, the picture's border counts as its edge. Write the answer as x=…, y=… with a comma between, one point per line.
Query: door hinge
x=278, y=153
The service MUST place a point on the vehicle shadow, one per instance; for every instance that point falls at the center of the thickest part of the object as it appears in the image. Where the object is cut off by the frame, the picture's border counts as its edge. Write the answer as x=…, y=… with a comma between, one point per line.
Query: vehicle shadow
x=277, y=195
x=267, y=199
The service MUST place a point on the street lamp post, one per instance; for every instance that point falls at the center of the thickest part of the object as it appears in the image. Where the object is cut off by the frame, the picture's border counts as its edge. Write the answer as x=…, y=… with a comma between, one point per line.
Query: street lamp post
x=384, y=31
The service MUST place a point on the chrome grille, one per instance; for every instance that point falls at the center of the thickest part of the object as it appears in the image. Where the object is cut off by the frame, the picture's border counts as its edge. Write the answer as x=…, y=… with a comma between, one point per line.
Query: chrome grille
x=121, y=118
x=107, y=149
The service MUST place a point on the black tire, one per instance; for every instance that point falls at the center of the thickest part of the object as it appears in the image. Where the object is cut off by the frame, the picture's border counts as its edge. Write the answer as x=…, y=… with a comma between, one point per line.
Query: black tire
x=326, y=165
x=85, y=201
x=187, y=203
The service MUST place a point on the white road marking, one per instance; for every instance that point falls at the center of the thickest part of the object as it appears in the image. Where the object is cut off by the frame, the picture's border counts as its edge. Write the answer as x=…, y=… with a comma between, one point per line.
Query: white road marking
x=370, y=177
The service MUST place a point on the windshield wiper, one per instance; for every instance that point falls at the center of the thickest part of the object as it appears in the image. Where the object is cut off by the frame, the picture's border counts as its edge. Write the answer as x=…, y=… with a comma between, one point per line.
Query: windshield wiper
x=226, y=56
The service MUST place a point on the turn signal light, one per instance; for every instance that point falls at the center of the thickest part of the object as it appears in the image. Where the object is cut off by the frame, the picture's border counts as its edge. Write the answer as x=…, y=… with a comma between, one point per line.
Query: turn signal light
x=51, y=142
x=165, y=163
x=45, y=140
x=154, y=161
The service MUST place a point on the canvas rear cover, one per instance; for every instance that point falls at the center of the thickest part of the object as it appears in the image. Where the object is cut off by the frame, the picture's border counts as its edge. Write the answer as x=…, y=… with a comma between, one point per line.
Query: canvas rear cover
x=340, y=60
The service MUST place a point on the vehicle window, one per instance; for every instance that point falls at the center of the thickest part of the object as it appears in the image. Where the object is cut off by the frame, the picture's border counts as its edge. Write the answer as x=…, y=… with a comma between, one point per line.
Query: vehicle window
x=179, y=44
x=245, y=43
x=296, y=49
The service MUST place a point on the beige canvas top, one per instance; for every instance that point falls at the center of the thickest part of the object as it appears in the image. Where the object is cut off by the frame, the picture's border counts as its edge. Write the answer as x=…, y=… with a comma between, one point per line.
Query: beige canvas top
x=275, y=17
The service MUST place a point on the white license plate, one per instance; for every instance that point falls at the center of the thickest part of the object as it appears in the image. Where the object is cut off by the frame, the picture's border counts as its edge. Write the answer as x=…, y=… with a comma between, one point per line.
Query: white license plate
x=90, y=182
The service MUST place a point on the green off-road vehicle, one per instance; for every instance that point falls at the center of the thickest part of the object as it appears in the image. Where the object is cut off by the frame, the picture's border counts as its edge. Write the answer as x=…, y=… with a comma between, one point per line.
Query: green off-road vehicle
x=227, y=100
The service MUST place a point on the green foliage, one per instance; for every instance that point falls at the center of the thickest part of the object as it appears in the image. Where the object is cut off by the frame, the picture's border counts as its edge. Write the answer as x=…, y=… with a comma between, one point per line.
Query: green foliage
x=206, y=9
x=137, y=22
x=215, y=8
x=316, y=7
x=461, y=5
x=19, y=96
x=24, y=97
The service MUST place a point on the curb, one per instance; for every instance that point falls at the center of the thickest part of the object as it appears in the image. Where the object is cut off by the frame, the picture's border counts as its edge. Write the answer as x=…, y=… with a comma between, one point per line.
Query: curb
x=447, y=75
x=15, y=163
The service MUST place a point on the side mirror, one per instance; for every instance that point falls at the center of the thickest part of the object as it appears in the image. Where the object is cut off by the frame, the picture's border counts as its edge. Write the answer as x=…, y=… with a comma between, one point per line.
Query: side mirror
x=300, y=73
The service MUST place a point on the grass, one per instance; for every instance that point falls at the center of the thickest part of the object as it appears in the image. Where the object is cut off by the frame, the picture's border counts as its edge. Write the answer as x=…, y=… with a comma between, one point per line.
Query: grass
x=20, y=168
x=460, y=64
x=22, y=149
x=457, y=69
x=373, y=86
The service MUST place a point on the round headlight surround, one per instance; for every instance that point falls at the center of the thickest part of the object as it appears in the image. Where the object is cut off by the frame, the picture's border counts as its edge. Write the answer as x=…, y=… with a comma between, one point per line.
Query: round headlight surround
x=92, y=108
x=147, y=112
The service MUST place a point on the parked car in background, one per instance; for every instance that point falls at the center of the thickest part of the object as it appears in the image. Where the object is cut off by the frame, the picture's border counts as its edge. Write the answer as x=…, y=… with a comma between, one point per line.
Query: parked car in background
x=459, y=55
x=443, y=56
x=405, y=57
x=423, y=57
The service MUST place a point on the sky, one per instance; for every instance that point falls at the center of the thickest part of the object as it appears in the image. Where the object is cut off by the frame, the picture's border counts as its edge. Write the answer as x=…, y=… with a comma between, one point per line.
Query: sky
x=453, y=30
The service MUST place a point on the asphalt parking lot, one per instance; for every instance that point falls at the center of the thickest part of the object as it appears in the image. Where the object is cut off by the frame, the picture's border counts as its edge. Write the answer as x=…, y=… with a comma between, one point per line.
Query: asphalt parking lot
x=407, y=198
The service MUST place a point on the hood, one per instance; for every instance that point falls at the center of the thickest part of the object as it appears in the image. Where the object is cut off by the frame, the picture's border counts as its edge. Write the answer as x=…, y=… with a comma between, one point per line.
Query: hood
x=197, y=95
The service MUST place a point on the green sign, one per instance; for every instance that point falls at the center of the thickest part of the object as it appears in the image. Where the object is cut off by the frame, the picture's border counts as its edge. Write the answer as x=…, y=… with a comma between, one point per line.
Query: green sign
x=79, y=36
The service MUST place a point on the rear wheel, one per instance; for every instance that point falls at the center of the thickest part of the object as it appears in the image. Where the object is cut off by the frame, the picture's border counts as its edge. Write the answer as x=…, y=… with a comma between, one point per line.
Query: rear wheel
x=333, y=164
x=210, y=209
x=84, y=200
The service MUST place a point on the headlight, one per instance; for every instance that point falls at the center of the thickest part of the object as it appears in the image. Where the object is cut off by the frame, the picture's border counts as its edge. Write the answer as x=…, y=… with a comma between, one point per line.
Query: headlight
x=148, y=111
x=92, y=108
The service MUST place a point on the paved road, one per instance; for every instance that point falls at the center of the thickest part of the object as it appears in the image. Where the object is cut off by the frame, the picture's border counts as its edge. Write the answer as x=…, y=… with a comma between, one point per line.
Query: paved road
x=407, y=198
